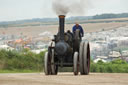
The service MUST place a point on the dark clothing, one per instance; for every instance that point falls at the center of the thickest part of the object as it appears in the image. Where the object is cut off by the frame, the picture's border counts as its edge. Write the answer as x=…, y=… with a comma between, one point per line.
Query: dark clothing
x=80, y=28
x=70, y=33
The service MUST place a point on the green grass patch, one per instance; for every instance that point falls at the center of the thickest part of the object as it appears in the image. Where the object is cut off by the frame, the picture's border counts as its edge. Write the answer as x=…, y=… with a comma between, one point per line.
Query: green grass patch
x=28, y=62
x=19, y=71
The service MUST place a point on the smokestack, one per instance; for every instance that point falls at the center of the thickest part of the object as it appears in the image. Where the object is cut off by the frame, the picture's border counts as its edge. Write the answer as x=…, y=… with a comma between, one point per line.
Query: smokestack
x=61, y=26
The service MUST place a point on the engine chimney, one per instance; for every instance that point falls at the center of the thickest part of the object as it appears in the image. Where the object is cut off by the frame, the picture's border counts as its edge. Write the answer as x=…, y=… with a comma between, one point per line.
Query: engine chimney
x=61, y=26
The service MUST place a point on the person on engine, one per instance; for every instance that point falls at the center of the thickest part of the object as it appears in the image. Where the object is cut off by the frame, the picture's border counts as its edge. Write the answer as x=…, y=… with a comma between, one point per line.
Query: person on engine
x=77, y=26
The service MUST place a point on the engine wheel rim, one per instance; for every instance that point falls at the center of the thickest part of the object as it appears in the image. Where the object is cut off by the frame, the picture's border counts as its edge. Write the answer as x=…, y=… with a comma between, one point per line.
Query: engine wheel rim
x=81, y=50
x=52, y=62
x=76, y=63
x=86, y=59
x=88, y=56
x=46, y=64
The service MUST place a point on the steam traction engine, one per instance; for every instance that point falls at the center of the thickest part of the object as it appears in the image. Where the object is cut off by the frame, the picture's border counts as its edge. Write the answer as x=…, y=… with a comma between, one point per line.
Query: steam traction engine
x=67, y=50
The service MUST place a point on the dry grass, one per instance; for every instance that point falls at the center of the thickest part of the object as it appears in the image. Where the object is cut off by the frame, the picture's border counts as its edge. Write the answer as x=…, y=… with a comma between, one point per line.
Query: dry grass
x=36, y=30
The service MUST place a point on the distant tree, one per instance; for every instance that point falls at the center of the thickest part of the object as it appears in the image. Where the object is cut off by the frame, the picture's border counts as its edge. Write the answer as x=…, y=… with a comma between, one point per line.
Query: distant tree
x=107, y=16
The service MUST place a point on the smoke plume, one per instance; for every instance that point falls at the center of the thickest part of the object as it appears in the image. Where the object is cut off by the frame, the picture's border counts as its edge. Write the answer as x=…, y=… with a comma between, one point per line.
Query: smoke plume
x=74, y=7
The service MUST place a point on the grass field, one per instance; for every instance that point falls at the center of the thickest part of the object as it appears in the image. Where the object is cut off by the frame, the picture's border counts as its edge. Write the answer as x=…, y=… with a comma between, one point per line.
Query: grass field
x=18, y=71
x=33, y=31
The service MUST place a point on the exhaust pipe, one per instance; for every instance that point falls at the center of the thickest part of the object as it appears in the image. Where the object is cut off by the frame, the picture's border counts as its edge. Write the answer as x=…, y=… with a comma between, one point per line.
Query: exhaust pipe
x=61, y=26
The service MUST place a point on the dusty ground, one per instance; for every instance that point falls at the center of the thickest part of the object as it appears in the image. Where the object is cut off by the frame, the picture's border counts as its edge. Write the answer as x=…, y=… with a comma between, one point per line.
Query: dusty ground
x=64, y=79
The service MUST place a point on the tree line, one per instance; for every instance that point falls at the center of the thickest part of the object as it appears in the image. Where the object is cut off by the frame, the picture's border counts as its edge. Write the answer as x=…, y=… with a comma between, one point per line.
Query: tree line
x=108, y=16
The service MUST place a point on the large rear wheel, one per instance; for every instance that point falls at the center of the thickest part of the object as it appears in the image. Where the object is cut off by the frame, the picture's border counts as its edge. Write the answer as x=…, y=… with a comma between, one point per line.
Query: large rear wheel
x=86, y=58
x=81, y=51
x=88, y=55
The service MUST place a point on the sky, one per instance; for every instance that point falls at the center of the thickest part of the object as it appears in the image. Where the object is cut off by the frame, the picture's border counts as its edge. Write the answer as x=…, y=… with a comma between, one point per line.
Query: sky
x=27, y=9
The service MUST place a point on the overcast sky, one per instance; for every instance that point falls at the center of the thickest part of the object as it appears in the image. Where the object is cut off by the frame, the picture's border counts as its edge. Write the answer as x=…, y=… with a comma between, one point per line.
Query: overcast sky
x=28, y=9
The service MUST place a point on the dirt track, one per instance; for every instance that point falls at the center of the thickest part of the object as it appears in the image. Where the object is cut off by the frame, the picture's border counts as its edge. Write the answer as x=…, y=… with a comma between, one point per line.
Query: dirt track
x=63, y=79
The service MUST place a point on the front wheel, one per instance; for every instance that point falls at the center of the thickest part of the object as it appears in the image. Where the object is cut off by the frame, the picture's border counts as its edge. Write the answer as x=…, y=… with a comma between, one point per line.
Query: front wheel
x=46, y=64
x=76, y=63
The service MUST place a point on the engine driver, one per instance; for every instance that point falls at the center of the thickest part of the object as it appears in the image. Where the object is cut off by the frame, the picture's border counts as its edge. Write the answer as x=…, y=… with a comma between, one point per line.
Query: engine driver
x=77, y=26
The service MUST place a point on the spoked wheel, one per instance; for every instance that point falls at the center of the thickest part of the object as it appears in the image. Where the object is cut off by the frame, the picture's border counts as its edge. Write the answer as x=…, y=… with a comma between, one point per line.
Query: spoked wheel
x=84, y=54
x=54, y=68
x=47, y=64
x=81, y=51
x=86, y=58
x=76, y=63
x=52, y=62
